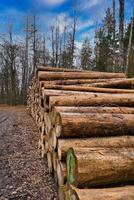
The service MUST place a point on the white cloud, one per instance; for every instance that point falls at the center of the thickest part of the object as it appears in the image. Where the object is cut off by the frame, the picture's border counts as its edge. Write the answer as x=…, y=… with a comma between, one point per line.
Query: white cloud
x=52, y=2
x=62, y=21
x=87, y=4
x=78, y=44
x=84, y=24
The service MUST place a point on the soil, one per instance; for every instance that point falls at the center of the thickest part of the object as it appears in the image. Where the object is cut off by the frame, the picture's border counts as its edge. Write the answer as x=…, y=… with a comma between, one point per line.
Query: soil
x=23, y=173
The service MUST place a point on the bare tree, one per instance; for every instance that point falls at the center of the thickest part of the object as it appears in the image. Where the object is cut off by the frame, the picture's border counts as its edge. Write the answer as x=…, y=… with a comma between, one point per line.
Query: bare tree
x=44, y=51
x=24, y=56
x=53, y=45
x=121, y=35
x=57, y=43
x=114, y=34
x=34, y=31
x=9, y=55
x=75, y=19
x=130, y=40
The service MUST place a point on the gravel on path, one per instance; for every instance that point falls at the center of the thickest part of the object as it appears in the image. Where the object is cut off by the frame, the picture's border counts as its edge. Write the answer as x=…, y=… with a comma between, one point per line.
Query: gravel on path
x=23, y=173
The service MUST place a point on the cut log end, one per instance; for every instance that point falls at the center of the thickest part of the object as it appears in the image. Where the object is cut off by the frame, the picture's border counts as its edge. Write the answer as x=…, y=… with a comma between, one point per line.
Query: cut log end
x=71, y=166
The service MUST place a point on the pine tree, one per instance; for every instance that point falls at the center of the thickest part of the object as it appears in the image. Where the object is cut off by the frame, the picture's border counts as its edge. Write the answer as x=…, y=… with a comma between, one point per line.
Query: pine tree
x=104, y=44
x=130, y=59
x=121, y=35
x=86, y=55
x=66, y=57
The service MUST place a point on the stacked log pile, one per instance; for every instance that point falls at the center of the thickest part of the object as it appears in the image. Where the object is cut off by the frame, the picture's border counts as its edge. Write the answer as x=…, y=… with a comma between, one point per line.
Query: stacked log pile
x=86, y=130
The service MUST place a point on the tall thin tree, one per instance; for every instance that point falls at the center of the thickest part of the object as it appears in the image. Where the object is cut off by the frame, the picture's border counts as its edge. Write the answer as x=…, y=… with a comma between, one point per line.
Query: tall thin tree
x=121, y=35
x=114, y=33
x=130, y=40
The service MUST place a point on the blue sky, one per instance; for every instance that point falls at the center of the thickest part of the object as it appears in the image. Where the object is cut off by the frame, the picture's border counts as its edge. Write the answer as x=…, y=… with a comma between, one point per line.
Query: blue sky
x=90, y=13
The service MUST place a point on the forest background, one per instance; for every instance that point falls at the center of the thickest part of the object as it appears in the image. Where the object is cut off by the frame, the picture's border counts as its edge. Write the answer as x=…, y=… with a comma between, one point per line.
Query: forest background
x=92, y=35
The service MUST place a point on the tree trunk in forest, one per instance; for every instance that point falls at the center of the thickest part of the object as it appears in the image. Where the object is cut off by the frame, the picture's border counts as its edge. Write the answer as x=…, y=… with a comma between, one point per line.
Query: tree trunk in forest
x=121, y=36
x=130, y=43
x=114, y=34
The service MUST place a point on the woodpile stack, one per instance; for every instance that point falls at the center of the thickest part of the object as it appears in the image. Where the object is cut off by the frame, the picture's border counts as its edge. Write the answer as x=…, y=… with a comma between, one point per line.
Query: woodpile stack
x=86, y=130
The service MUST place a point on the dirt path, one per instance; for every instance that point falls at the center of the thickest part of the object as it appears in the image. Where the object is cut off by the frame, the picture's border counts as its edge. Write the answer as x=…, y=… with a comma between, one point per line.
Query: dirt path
x=23, y=174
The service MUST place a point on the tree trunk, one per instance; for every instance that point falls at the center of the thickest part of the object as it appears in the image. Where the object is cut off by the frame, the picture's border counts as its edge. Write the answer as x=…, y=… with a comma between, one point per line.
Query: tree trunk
x=120, y=84
x=109, y=142
x=87, y=89
x=75, y=125
x=114, y=34
x=121, y=36
x=99, y=109
x=57, y=69
x=116, y=193
x=77, y=81
x=47, y=93
x=97, y=167
x=93, y=100
x=45, y=76
x=61, y=173
x=130, y=44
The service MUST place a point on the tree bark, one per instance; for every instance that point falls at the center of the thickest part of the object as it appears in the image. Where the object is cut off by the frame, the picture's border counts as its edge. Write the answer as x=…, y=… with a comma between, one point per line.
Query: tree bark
x=45, y=76
x=114, y=35
x=121, y=36
x=126, y=100
x=110, y=142
x=77, y=81
x=117, y=193
x=75, y=125
x=47, y=93
x=129, y=45
x=121, y=84
x=57, y=69
x=99, y=109
x=61, y=173
x=97, y=167
x=87, y=89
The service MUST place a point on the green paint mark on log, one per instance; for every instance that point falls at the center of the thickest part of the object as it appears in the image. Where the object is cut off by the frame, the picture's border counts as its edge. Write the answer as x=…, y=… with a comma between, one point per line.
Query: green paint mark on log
x=71, y=165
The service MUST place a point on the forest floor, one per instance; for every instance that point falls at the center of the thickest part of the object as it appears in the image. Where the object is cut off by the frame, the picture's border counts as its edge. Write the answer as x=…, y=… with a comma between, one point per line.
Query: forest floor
x=23, y=173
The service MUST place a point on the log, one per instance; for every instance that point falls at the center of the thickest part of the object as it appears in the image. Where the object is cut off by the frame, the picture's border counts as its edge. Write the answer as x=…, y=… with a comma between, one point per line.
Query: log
x=60, y=93
x=99, y=167
x=47, y=76
x=47, y=93
x=99, y=109
x=126, y=100
x=55, y=159
x=47, y=123
x=121, y=84
x=77, y=81
x=72, y=125
x=52, y=142
x=88, y=89
x=43, y=144
x=52, y=92
x=61, y=173
x=110, y=142
x=66, y=109
x=117, y=193
x=57, y=69
x=50, y=162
